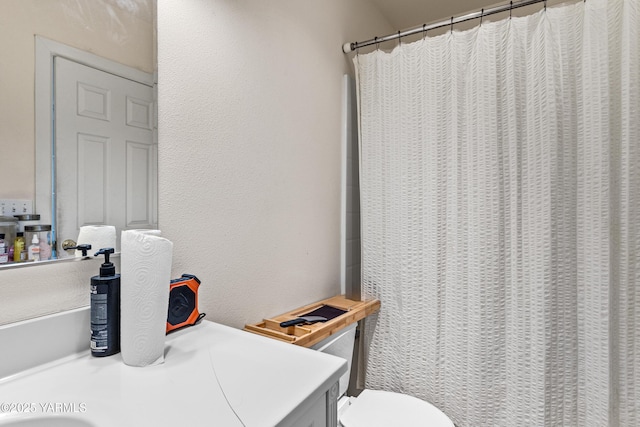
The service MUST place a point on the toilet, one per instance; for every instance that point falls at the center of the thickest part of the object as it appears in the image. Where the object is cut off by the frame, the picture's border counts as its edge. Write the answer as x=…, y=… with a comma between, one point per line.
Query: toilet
x=374, y=408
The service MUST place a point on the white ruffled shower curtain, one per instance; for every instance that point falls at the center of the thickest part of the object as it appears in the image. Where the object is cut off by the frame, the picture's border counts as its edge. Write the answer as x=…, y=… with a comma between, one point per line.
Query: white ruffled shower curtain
x=500, y=200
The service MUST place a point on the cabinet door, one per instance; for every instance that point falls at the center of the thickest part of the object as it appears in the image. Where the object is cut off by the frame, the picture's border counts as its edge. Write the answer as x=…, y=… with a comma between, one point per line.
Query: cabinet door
x=322, y=413
x=316, y=416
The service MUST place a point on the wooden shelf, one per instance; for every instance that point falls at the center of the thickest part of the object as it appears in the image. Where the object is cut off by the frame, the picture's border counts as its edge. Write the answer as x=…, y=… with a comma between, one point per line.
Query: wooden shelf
x=308, y=335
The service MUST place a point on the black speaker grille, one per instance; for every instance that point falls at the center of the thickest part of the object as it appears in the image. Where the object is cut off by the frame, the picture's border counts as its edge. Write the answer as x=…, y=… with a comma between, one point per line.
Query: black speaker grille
x=182, y=302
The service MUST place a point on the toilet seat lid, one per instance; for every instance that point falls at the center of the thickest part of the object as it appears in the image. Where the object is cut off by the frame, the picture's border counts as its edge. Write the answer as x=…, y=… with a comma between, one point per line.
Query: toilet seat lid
x=374, y=408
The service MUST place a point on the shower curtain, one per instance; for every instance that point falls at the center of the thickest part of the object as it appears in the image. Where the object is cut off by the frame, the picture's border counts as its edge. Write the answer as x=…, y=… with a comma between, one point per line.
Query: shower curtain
x=500, y=203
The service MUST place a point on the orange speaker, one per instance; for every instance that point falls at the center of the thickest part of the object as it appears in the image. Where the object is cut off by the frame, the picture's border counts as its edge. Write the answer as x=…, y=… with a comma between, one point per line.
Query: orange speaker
x=183, y=303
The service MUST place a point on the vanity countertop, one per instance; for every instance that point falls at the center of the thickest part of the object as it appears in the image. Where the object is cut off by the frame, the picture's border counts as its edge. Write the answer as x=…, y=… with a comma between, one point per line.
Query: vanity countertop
x=212, y=375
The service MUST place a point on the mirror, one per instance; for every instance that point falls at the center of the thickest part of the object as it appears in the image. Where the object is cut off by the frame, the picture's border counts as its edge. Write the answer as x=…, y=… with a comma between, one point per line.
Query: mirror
x=118, y=31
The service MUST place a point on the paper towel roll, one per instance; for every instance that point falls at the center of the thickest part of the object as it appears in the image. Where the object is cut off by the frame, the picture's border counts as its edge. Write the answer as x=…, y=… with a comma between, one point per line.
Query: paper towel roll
x=145, y=269
x=98, y=236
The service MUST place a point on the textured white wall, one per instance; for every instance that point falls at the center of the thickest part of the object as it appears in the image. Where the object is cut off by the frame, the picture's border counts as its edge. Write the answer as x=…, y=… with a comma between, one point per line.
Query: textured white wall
x=249, y=139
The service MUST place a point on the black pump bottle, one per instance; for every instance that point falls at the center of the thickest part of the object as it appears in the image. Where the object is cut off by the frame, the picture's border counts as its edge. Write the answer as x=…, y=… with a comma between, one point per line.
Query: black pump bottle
x=105, y=308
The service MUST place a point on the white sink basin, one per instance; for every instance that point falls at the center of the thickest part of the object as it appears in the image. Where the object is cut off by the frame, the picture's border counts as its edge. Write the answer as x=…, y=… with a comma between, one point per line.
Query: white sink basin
x=46, y=421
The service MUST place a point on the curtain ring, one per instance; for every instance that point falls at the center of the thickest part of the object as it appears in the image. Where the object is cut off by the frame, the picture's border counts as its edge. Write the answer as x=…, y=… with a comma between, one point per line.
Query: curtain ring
x=452, y=25
x=424, y=31
x=376, y=42
x=481, y=16
x=399, y=39
x=510, y=9
x=545, y=5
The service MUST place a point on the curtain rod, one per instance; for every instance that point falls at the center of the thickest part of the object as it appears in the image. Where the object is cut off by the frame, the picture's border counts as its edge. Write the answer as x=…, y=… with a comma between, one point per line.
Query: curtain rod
x=350, y=47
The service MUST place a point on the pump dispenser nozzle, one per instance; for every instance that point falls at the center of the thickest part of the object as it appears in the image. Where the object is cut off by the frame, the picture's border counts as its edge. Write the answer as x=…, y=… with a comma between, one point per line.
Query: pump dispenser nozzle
x=107, y=268
x=83, y=248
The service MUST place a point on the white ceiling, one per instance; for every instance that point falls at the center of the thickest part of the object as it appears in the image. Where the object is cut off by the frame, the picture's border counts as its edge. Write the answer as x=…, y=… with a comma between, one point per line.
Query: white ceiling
x=404, y=14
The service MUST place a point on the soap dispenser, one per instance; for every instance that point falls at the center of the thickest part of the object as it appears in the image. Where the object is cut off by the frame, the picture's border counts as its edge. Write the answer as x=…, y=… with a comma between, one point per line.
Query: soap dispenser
x=105, y=308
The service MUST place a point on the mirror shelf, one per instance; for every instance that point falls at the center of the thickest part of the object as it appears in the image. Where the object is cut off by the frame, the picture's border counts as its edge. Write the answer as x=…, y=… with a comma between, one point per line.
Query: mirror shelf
x=25, y=264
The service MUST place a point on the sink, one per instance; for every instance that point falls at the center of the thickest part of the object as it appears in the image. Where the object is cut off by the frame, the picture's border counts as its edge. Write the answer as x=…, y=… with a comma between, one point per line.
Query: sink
x=46, y=421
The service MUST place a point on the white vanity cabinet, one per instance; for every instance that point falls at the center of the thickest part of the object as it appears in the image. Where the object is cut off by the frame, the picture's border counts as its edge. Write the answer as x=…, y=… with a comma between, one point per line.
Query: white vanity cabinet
x=212, y=375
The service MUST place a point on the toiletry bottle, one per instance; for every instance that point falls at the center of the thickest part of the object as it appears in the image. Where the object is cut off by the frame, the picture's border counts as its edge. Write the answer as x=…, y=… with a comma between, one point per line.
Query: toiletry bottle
x=34, y=249
x=4, y=255
x=18, y=247
x=105, y=308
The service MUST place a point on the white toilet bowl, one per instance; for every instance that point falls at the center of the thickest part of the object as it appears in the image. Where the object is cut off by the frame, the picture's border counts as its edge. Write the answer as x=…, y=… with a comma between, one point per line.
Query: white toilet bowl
x=374, y=408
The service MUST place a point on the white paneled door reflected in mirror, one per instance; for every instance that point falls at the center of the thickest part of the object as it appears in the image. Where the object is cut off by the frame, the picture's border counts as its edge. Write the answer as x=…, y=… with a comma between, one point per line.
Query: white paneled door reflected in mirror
x=93, y=161
x=105, y=153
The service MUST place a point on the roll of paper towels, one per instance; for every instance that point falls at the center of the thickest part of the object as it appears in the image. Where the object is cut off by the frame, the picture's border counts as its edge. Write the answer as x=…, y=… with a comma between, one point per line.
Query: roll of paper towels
x=98, y=236
x=145, y=270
